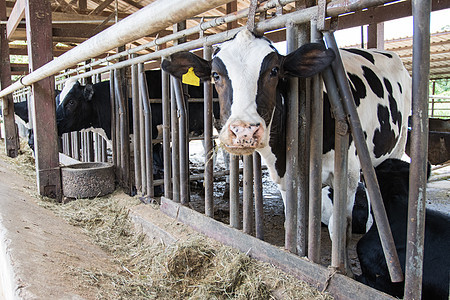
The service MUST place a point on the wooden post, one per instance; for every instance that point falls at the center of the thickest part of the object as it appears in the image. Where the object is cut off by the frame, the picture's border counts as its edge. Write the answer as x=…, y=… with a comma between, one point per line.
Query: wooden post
x=375, y=36
x=11, y=136
x=39, y=37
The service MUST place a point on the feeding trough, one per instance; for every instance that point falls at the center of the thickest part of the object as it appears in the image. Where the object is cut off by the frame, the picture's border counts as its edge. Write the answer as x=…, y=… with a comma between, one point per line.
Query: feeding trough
x=87, y=180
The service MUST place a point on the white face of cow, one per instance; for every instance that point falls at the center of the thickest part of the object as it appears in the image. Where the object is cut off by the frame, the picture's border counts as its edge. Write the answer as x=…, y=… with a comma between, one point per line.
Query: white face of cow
x=236, y=70
x=247, y=71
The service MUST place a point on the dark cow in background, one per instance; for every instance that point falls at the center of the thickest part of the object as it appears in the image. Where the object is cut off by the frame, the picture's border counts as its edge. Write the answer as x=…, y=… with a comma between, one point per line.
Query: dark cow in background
x=83, y=107
x=250, y=78
x=393, y=178
x=21, y=110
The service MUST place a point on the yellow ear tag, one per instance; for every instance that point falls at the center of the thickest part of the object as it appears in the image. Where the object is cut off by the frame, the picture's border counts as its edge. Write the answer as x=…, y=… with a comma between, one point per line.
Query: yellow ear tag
x=190, y=78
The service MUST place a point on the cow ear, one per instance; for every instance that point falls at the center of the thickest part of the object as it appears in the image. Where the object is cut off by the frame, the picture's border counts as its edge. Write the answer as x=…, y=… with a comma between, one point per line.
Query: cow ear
x=179, y=64
x=308, y=60
x=88, y=92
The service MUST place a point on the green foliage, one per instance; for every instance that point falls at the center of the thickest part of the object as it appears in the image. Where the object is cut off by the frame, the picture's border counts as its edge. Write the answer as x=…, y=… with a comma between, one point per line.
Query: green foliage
x=442, y=87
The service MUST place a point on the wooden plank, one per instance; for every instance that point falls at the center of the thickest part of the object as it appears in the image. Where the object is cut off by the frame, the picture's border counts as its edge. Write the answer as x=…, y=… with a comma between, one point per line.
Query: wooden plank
x=15, y=17
x=65, y=6
x=340, y=286
x=39, y=37
x=101, y=7
x=11, y=136
x=82, y=6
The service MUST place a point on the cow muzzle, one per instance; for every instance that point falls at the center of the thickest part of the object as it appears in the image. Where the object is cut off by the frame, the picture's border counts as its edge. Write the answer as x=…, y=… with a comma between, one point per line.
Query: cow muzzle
x=242, y=138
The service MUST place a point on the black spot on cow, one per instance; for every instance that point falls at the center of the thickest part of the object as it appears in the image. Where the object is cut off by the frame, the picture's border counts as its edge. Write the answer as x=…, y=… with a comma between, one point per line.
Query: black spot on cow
x=373, y=81
x=384, y=138
x=395, y=114
x=384, y=53
x=400, y=87
x=363, y=53
x=358, y=88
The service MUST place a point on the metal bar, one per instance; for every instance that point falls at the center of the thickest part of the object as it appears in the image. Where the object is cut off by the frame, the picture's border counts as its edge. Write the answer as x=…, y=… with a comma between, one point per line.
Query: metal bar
x=234, y=191
x=144, y=158
x=315, y=177
x=340, y=286
x=175, y=146
x=183, y=135
x=136, y=131
x=165, y=82
x=340, y=181
x=290, y=224
x=247, y=207
x=208, y=132
x=419, y=146
x=258, y=192
x=152, y=18
x=148, y=131
x=98, y=42
x=387, y=241
x=303, y=148
x=217, y=21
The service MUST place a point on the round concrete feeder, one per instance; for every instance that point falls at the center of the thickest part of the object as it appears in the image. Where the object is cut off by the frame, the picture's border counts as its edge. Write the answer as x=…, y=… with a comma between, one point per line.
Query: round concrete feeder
x=87, y=180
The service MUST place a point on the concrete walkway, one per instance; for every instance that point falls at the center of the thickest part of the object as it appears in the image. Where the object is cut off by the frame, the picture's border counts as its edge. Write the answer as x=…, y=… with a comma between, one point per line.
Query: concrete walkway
x=38, y=250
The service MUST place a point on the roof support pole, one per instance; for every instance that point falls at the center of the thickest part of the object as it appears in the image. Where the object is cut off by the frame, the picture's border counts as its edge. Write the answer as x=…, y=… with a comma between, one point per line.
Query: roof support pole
x=11, y=136
x=39, y=37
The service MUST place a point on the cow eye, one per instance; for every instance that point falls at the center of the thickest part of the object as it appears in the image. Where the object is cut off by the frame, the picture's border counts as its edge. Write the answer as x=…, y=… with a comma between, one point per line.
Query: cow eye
x=274, y=72
x=71, y=102
x=215, y=76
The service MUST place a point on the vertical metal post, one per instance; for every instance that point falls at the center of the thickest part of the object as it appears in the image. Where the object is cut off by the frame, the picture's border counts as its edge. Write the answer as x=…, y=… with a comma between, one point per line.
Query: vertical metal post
x=113, y=121
x=234, y=191
x=175, y=146
x=144, y=158
x=384, y=231
x=258, y=191
x=432, y=99
x=340, y=183
x=247, y=209
x=183, y=140
x=419, y=146
x=136, y=131
x=291, y=150
x=165, y=82
x=208, y=115
x=148, y=130
x=315, y=179
x=303, y=149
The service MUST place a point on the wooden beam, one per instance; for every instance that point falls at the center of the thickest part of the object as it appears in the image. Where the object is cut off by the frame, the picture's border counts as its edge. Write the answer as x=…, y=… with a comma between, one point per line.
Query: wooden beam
x=39, y=38
x=15, y=17
x=11, y=137
x=384, y=13
x=65, y=6
x=133, y=3
x=82, y=6
x=101, y=7
x=231, y=8
x=338, y=285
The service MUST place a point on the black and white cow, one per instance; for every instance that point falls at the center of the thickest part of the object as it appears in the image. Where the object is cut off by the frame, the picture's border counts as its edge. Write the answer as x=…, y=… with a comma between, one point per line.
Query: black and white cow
x=393, y=178
x=249, y=76
x=87, y=106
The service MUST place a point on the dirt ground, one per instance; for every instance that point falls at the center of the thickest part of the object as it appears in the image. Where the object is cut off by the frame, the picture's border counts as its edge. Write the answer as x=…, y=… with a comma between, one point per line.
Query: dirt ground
x=88, y=249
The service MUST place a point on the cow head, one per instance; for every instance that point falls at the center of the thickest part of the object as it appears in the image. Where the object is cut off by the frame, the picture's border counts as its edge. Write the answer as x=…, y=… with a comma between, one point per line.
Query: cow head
x=75, y=109
x=246, y=71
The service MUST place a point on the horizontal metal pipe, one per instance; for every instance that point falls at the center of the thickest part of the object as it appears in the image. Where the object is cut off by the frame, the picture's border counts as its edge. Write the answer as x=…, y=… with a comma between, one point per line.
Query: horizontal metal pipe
x=145, y=20
x=150, y=19
x=183, y=33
